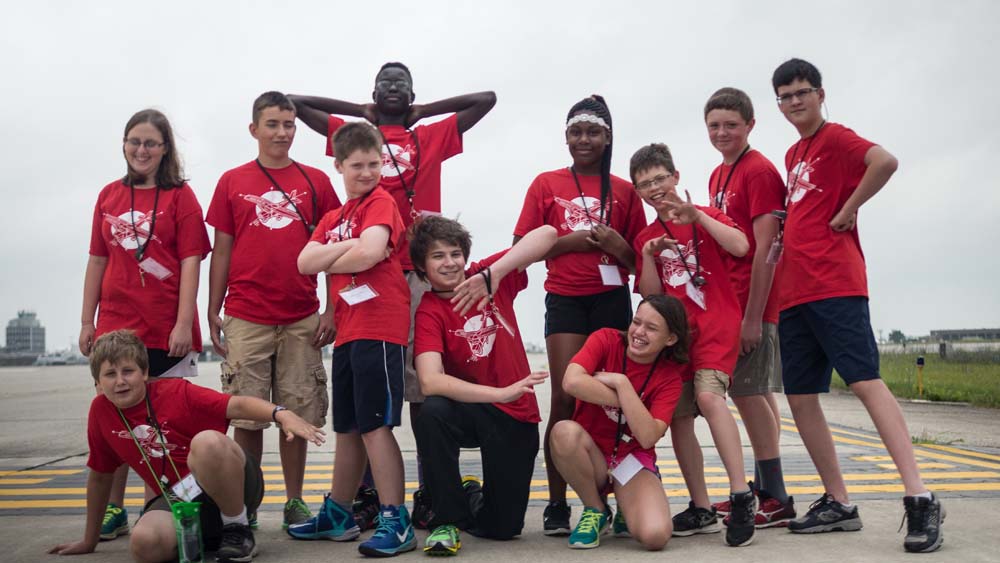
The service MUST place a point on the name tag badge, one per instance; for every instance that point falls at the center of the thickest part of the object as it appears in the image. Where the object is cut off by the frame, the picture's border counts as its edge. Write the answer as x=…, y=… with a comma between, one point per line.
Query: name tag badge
x=610, y=274
x=159, y=271
x=358, y=294
x=774, y=254
x=695, y=294
x=627, y=469
x=187, y=488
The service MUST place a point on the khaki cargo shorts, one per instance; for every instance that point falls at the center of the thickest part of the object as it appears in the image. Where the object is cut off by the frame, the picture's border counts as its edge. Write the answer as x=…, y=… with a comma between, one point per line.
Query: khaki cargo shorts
x=759, y=372
x=705, y=380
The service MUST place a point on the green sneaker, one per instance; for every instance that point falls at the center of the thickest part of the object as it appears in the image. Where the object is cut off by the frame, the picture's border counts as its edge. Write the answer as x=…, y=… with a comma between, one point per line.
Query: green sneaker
x=252, y=520
x=587, y=534
x=296, y=512
x=619, y=528
x=443, y=540
x=115, y=522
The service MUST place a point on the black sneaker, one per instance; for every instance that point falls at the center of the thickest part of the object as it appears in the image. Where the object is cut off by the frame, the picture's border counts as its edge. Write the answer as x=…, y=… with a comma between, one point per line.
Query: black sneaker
x=237, y=545
x=555, y=519
x=740, y=526
x=923, y=524
x=473, y=488
x=827, y=515
x=422, y=513
x=366, y=507
x=696, y=520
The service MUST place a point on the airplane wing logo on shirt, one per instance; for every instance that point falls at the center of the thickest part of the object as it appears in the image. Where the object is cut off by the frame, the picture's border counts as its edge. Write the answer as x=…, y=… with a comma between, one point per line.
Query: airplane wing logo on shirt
x=798, y=180
x=149, y=440
x=404, y=159
x=274, y=210
x=578, y=213
x=342, y=231
x=672, y=265
x=612, y=413
x=124, y=234
x=480, y=331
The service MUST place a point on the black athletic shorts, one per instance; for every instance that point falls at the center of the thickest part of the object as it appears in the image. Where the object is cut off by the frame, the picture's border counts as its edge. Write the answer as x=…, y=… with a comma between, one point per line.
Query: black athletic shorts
x=584, y=314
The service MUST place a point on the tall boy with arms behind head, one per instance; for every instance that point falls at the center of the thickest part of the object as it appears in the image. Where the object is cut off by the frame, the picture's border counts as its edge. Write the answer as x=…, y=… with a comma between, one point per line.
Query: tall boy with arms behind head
x=411, y=171
x=747, y=188
x=263, y=213
x=824, y=322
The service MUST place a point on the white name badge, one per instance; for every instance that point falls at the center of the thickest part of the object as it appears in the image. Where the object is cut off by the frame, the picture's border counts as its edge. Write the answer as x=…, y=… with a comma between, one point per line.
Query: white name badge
x=696, y=295
x=354, y=295
x=159, y=271
x=610, y=274
x=187, y=488
x=425, y=214
x=627, y=469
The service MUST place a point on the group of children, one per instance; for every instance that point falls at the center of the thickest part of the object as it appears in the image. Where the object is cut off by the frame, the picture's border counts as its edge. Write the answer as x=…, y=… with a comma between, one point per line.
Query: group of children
x=412, y=318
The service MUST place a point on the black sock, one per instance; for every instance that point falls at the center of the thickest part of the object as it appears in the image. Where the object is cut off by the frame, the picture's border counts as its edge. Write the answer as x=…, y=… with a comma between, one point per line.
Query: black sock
x=772, y=479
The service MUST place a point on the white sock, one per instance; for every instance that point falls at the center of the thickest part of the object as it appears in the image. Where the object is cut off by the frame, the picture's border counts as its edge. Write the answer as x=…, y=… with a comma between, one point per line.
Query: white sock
x=240, y=518
x=925, y=494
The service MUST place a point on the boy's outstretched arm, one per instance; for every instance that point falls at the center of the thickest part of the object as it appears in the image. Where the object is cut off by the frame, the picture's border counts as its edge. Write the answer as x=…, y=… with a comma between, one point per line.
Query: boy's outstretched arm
x=98, y=492
x=469, y=109
x=881, y=166
x=292, y=425
x=315, y=111
x=434, y=381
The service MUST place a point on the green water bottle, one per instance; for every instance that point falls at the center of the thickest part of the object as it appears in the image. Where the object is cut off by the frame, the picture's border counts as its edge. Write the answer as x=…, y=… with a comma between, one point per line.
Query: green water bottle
x=187, y=522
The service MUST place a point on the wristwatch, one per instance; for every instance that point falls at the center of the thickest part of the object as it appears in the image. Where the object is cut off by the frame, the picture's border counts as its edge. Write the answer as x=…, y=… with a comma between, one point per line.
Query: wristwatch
x=274, y=413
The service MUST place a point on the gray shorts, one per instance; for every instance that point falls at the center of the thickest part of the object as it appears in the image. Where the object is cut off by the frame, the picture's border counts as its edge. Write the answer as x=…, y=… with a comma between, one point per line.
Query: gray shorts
x=411, y=386
x=759, y=372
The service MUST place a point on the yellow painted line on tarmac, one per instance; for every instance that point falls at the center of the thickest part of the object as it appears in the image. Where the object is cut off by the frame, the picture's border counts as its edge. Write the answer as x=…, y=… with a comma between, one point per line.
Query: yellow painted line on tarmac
x=931, y=465
x=872, y=458
x=51, y=491
x=40, y=472
x=22, y=481
x=960, y=451
x=963, y=460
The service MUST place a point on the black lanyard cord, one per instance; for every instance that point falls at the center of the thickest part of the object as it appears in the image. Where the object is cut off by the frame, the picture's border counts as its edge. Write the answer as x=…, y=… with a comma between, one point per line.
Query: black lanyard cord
x=720, y=195
x=140, y=250
x=310, y=226
x=601, y=218
x=792, y=184
x=696, y=278
x=346, y=224
x=411, y=189
x=620, y=432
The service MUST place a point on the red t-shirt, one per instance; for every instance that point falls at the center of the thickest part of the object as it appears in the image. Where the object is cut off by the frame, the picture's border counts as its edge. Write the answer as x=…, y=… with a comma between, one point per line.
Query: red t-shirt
x=182, y=410
x=553, y=199
x=387, y=316
x=820, y=263
x=419, y=154
x=265, y=286
x=145, y=303
x=603, y=351
x=755, y=189
x=714, y=329
x=477, y=347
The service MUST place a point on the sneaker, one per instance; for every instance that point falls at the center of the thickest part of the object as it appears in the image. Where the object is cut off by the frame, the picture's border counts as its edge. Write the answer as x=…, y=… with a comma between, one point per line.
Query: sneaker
x=923, y=524
x=556, y=519
x=826, y=515
x=473, y=488
x=443, y=540
x=393, y=534
x=365, y=507
x=252, y=519
x=696, y=520
x=740, y=529
x=422, y=513
x=771, y=513
x=618, y=526
x=723, y=508
x=332, y=522
x=587, y=534
x=237, y=545
x=296, y=512
x=115, y=522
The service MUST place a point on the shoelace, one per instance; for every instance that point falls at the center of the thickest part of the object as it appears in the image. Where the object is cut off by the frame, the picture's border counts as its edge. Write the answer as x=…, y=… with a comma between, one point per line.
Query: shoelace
x=232, y=535
x=590, y=521
x=110, y=514
x=443, y=532
x=916, y=522
x=385, y=526
x=823, y=501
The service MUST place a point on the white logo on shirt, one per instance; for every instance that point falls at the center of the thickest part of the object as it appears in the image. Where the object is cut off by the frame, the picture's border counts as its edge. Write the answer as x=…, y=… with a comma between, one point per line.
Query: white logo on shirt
x=672, y=267
x=404, y=159
x=580, y=212
x=480, y=332
x=798, y=178
x=148, y=440
x=341, y=232
x=612, y=413
x=124, y=234
x=274, y=210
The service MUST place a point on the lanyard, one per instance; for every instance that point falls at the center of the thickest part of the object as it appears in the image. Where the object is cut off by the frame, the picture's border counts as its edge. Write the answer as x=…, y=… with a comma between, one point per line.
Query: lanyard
x=790, y=183
x=140, y=250
x=310, y=226
x=151, y=418
x=411, y=190
x=583, y=200
x=642, y=390
x=696, y=278
x=720, y=195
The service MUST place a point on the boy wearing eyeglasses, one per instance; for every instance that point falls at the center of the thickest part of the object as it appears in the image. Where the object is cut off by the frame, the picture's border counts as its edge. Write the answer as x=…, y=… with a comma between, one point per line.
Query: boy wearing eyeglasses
x=263, y=213
x=747, y=188
x=824, y=321
x=411, y=172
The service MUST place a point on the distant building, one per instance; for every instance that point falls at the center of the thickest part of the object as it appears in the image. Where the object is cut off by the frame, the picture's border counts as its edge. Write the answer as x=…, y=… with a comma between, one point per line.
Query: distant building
x=963, y=334
x=25, y=335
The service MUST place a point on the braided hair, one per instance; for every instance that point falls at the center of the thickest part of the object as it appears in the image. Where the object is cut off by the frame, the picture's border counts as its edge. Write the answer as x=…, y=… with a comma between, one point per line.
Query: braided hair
x=595, y=104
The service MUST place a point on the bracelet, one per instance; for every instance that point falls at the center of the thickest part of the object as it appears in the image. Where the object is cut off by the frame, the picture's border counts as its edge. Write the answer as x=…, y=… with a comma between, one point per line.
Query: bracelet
x=274, y=413
x=488, y=278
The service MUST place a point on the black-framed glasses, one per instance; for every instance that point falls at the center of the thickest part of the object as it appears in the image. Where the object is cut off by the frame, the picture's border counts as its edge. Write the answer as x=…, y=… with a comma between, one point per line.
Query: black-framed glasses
x=657, y=180
x=149, y=144
x=800, y=94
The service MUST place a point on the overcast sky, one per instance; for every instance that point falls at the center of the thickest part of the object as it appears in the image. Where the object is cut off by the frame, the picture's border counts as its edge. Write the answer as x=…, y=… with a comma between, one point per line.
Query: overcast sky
x=919, y=78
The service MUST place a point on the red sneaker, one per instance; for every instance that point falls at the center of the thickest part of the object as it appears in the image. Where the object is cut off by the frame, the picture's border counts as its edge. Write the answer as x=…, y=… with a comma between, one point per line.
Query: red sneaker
x=723, y=508
x=771, y=513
